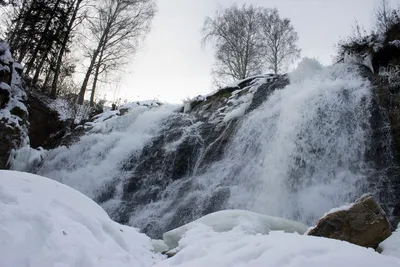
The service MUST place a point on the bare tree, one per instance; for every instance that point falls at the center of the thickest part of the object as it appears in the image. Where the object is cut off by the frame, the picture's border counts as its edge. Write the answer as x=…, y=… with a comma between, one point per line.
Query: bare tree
x=385, y=16
x=235, y=37
x=248, y=41
x=279, y=40
x=116, y=29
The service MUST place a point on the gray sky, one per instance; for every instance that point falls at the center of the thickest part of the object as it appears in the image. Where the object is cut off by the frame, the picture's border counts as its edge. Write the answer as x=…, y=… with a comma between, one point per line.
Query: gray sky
x=173, y=65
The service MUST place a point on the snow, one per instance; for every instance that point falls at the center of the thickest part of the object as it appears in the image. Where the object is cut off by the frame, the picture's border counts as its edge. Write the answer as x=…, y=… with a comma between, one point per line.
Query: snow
x=201, y=246
x=5, y=54
x=391, y=246
x=47, y=224
x=248, y=222
x=44, y=223
x=4, y=86
x=16, y=93
x=395, y=43
x=159, y=245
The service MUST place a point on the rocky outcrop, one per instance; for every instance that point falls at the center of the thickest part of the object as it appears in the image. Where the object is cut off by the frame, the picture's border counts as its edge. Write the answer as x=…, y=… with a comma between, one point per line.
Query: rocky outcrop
x=46, y=129
x=13, y=113
x=364, y=223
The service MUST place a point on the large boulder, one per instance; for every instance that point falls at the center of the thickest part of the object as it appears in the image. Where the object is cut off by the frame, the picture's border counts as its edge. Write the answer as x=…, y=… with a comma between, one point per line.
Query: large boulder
x=363, y=223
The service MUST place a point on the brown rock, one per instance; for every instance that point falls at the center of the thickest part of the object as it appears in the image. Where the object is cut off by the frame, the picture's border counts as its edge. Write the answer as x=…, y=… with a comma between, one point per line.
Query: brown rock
x=364, y=224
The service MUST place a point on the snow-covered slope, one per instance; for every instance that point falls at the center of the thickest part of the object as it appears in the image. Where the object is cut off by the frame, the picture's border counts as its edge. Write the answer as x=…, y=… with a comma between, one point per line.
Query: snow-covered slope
x=45, y=224
x=204, y=247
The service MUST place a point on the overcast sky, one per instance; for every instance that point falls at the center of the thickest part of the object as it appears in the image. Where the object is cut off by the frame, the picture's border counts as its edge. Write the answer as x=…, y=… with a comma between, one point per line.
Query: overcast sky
x=173, y=65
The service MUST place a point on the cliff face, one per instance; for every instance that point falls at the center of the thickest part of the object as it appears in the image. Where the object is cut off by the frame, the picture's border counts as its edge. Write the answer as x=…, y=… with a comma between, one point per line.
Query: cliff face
x=13, y=113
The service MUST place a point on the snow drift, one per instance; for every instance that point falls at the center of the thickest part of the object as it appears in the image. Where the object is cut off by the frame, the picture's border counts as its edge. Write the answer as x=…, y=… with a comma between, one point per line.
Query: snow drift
x=44, y=224
x=202, y=246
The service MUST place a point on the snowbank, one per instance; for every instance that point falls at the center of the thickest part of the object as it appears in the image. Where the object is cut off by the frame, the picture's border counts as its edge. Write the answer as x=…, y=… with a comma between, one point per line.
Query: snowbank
x=226, y=220
x=204, y=247
x=44, y=224
x=391, y=246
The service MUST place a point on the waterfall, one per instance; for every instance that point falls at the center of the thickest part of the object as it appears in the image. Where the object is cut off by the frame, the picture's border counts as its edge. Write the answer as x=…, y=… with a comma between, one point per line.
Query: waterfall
x=297, y=155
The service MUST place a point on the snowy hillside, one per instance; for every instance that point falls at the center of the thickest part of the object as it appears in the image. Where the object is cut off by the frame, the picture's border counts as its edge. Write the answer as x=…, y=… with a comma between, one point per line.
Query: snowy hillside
x=46, y=224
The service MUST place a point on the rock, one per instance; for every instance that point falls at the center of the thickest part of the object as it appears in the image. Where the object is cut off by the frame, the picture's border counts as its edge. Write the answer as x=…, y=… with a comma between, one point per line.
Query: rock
x=10, y=138
x=364, y=223
x=169, y=254
x=46, y=129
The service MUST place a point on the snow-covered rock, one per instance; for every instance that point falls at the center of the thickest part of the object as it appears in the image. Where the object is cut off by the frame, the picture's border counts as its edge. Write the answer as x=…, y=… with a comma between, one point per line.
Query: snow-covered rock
x=201, y=246
x=45, y=224
x=226, y=220
x=363, y=223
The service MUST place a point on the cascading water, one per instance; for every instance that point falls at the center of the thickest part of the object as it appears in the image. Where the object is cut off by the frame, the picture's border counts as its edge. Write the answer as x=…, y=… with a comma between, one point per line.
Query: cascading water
x=302, y=152
x=297, y=155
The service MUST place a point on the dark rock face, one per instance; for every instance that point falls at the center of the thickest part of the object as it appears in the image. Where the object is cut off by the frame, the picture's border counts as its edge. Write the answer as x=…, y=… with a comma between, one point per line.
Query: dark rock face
x=11, y=130
x=9, y=139
x=364, y=224
x=45, y=129
x=383, y=153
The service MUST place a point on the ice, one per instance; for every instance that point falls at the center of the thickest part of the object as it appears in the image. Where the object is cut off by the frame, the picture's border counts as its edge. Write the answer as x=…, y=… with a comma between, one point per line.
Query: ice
x=159, y=245
x=45, y=224
x=226, y=220
x=27, y=157
x=202, y=246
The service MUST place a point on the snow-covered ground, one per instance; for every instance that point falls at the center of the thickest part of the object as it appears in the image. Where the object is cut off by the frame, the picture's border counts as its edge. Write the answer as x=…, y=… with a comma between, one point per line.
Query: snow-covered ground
x=47, y=224
x=204, y=247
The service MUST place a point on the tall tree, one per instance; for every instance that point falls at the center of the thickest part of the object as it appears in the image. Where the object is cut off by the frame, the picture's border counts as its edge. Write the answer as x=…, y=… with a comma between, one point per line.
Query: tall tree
x=235, y=36
x=279, y=40
x=116, y=30
x=43, y=35
x=248, y=41
x=77, y=7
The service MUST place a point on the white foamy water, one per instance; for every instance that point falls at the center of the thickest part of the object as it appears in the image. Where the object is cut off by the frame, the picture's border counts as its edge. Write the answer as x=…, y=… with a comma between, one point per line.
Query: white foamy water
x=96, y=159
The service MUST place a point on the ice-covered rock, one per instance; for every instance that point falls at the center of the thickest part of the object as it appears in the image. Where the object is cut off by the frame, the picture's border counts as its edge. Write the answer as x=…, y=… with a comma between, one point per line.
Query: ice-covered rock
x=226, y=220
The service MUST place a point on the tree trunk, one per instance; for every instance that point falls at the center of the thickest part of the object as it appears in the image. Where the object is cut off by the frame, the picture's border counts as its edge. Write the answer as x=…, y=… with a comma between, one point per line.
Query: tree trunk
x=81, y=96
x=46, y=80
x=29, y=65
x=17, y=29
x=96, y=76
x=61, y=53
x=39, y=70
x=96, y=53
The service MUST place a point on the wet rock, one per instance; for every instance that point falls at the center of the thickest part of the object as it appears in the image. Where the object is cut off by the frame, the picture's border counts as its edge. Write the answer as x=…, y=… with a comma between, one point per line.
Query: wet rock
x=364, y=223
x=10, y=138
x=45, y=130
